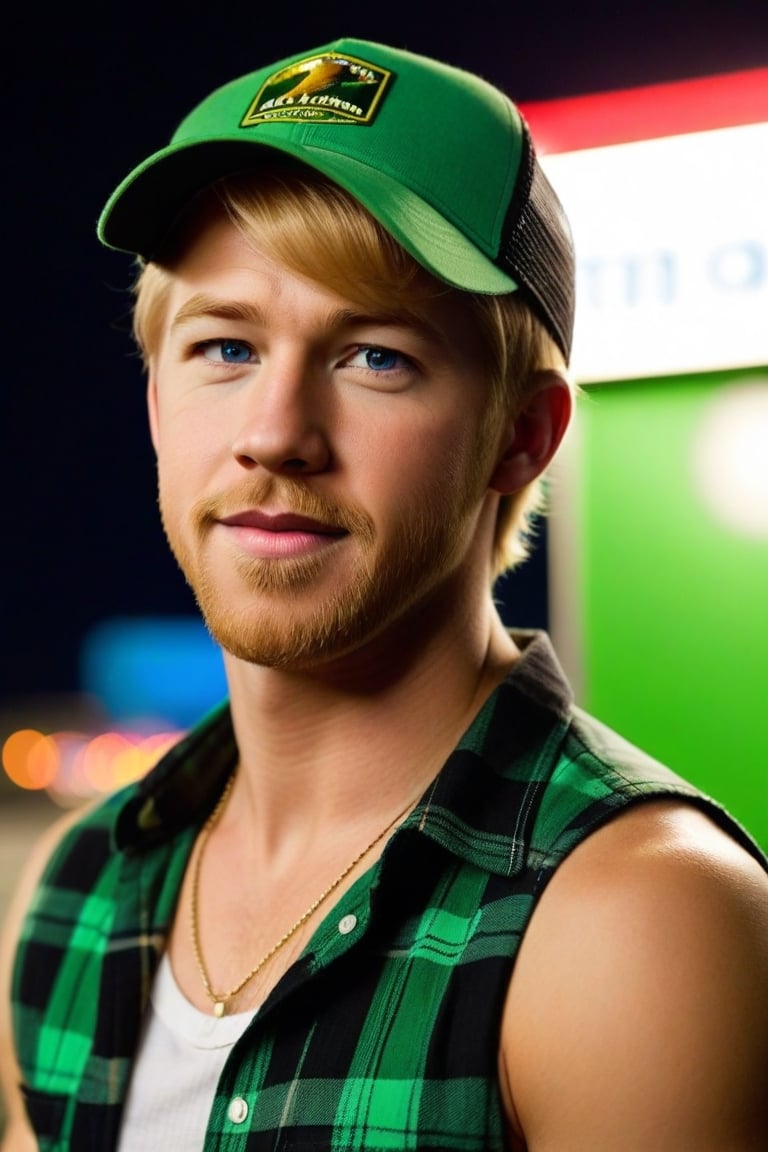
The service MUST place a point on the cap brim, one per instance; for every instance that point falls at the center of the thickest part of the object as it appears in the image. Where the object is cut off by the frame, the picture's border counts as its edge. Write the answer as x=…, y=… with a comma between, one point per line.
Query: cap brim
x=143, y=207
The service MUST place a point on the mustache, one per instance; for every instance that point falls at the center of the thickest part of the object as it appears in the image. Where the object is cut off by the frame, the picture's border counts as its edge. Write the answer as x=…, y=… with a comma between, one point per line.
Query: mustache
x=289, y=495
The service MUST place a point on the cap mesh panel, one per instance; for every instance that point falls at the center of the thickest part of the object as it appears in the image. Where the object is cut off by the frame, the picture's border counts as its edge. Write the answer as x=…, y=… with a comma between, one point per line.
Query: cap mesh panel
x=537, y=249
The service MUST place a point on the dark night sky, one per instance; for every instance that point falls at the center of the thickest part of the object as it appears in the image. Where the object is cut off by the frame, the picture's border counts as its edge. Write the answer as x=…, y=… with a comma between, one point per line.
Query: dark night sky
x=83, y=103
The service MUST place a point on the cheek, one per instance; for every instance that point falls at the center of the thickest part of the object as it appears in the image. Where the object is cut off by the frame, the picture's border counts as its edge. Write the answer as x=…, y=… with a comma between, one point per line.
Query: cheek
x=449, y=452
x=428, y=465
x=189, y=439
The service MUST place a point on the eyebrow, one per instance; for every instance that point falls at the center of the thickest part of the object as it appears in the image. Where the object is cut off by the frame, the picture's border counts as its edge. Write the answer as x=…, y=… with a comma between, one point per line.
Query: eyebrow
x=402, y=318
x=202, y=306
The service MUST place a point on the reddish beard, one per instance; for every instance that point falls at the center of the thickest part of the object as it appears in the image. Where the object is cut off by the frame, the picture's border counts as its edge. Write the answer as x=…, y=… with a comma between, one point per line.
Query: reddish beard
x=288, y=619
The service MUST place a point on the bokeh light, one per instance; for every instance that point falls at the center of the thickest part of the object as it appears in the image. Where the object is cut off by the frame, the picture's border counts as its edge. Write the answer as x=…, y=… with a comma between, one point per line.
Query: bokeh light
x=730, y=458
x=31, y=759
x=73, y=766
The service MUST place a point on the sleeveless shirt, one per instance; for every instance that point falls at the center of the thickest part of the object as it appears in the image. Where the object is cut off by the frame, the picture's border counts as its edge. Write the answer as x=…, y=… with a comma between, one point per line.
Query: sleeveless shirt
x=385, y=1032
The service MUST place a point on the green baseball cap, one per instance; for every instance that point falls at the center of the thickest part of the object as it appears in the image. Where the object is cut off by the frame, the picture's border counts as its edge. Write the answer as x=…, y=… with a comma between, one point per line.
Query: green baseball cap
x=442, y=158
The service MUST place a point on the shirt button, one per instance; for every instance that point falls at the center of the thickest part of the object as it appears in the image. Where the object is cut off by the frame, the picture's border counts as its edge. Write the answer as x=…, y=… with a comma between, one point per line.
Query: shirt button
x=347, y=924
x=238, y=1110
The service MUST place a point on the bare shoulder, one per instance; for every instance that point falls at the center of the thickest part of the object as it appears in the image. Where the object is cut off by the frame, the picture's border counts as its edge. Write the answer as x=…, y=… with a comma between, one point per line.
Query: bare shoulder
x=18, y=1136
x=637, y=1016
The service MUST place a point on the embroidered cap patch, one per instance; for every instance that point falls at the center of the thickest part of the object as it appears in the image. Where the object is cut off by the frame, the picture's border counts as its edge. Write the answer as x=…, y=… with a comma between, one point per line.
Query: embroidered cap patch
x=331, y=88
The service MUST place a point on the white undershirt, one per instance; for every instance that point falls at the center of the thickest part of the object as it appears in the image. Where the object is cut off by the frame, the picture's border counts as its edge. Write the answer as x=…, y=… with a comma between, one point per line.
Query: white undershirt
x=180, y=1058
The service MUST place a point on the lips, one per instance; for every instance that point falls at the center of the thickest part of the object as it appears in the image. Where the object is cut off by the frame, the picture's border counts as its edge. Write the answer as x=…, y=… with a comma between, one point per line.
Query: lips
x=279, y=536
x=280, y=522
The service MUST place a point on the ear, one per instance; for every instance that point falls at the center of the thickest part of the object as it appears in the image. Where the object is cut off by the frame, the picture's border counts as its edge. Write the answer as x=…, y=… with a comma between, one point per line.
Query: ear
x=534, y=433
x=152, y=410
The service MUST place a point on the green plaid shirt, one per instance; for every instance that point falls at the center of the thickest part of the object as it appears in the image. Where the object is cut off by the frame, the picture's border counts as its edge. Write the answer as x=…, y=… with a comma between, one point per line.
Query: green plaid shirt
x=382, y=1037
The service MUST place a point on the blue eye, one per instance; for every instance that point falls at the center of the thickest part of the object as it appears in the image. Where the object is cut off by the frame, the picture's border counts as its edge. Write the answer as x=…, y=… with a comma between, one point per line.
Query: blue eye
x=380, y=359
x=377, y=359
x=227, y=351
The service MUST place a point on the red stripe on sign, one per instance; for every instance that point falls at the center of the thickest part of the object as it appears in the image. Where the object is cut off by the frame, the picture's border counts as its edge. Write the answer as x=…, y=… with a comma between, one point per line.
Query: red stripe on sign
x=672, y=109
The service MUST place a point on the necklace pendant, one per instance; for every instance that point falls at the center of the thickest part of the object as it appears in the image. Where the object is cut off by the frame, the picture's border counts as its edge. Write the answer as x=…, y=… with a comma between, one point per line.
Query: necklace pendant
x=220, y=1003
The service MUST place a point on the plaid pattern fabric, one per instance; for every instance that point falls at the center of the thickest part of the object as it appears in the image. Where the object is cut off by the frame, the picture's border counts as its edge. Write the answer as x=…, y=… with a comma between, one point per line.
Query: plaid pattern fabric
x=380, y=1038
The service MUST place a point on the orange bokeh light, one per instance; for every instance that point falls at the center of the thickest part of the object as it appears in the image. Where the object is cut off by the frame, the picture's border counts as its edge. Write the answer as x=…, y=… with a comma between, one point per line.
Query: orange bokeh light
x=31, y=759
x=74, y=764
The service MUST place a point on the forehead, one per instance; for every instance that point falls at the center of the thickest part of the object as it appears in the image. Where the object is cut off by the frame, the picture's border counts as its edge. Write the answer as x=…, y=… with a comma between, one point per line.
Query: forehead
x=313, y=226
x=219, y=260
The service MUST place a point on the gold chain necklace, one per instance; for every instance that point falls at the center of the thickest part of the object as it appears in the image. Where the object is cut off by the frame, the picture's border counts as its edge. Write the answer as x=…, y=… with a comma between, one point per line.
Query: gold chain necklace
x=221, y=999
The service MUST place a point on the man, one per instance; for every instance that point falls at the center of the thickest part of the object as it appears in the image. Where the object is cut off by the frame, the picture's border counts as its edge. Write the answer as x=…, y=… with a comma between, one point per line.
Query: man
x=398, y=891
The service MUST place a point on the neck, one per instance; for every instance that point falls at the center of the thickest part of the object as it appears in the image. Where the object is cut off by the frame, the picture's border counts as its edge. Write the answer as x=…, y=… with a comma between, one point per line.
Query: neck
x=321, y=747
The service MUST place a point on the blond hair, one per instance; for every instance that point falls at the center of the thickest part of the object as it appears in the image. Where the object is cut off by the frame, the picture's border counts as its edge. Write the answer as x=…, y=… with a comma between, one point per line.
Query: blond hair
x=316, y=229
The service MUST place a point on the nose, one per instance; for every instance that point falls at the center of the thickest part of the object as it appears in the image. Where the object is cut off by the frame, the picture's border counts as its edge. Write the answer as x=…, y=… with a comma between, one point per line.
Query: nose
x=282, y=425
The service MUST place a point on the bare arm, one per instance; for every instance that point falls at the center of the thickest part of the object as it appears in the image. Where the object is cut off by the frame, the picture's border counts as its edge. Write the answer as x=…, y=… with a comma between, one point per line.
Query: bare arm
x=637, y=1017
x=18, y=1136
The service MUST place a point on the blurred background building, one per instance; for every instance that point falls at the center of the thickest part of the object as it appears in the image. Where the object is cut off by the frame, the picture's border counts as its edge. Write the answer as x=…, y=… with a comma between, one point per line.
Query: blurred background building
x=658, y=557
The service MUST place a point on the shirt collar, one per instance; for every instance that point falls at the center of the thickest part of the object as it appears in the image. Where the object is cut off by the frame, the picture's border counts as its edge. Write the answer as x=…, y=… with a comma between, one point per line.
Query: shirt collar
x=480, y=807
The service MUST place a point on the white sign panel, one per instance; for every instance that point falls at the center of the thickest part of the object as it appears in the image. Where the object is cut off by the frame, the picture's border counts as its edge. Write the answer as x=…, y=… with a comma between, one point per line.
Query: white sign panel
x=672, y=253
